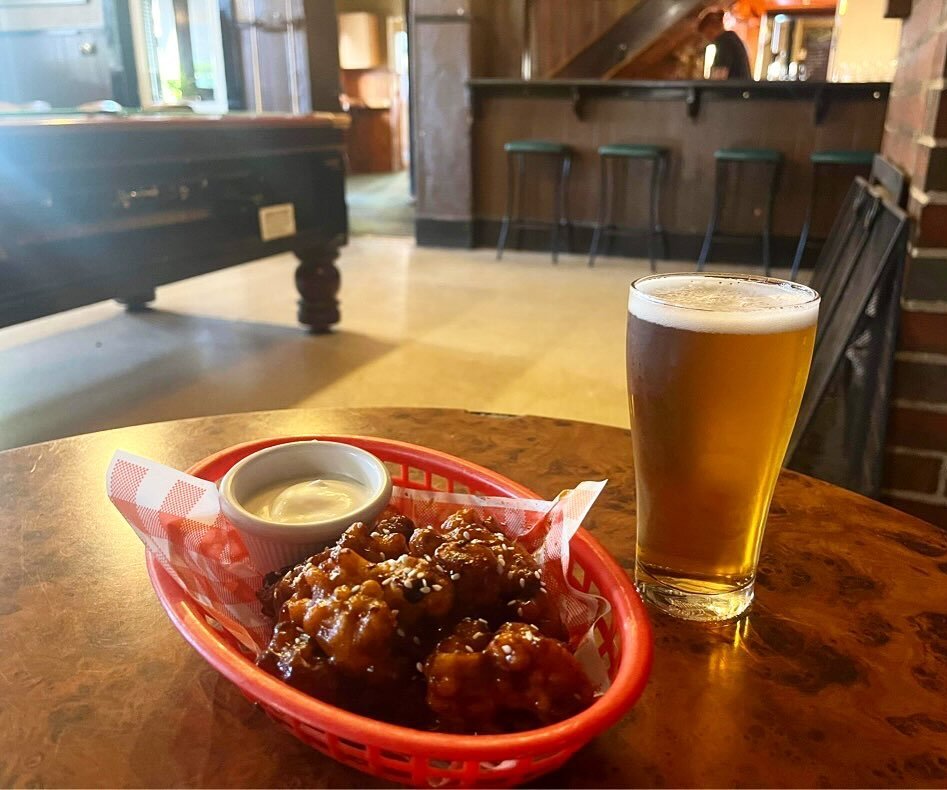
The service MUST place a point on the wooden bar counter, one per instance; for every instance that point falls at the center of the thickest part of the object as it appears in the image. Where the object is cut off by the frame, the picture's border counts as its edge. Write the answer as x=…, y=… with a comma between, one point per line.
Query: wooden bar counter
x=691, y=119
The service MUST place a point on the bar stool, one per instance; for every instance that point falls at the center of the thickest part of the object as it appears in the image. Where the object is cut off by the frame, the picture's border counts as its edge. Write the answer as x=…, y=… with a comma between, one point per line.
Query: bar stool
x=764, y=157
x=609, y=157
x=516, y=153
x=820, y=160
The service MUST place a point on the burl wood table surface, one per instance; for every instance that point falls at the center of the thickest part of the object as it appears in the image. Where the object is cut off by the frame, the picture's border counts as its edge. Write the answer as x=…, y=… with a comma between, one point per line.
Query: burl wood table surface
x=837, y=676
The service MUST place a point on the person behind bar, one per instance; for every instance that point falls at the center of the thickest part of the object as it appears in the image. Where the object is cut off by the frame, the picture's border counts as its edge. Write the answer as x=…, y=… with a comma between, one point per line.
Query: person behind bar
x=730, y=59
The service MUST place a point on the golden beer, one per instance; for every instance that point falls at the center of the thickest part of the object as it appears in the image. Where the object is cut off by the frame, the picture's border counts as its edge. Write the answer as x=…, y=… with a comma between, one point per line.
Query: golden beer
x=717, y=365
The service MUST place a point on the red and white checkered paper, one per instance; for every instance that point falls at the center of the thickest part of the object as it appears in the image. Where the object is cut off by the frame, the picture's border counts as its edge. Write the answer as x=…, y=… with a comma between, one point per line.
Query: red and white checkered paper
x=179, y=520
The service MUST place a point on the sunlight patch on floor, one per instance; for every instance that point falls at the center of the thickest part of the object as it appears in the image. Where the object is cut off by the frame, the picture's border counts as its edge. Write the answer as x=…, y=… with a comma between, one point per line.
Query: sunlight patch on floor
x=420, y=327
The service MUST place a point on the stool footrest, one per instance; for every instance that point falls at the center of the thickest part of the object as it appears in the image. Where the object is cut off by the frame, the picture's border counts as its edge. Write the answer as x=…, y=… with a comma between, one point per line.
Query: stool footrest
x=626, y=230
x=537, y=224
x=742, y=237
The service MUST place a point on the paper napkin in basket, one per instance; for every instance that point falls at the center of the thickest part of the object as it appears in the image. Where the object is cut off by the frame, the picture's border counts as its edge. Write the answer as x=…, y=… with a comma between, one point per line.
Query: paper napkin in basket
x=179, y=520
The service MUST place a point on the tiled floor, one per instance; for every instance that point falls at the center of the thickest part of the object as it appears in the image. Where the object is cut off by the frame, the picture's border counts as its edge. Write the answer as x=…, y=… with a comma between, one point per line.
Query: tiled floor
x=420, y=327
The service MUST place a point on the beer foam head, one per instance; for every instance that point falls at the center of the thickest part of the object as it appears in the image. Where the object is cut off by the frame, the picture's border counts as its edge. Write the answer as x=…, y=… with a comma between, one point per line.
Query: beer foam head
x=728, y=304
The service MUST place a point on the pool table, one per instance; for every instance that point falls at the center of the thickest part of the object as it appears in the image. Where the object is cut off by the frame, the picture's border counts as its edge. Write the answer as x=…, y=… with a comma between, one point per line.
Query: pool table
x=113, y=205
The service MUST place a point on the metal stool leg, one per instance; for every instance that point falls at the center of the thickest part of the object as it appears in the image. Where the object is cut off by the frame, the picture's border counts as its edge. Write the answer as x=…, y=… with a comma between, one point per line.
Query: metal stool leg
x=714, y=217
x=662, y=235
x=768, y=218
x=507, y=218
x=567, y=176
x=602, y=215
x=611, y=227
x=560, y=206
x=520, y=189
x=806, y=226
x=653, y=213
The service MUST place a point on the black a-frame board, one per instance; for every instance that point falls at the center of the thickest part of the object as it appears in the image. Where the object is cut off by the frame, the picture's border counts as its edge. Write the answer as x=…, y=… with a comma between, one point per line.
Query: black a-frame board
x=840, y=432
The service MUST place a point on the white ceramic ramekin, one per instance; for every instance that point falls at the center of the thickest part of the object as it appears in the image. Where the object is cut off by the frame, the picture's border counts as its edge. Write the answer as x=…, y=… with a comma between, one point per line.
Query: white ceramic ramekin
x=273, y=545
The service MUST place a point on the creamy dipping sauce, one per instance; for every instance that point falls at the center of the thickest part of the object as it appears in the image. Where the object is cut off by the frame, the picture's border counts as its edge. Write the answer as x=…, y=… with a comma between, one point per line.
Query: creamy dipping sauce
x=301, y=500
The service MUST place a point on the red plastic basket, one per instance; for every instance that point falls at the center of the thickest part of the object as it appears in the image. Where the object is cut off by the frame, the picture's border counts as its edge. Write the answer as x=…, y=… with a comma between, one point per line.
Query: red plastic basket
x=409, y=756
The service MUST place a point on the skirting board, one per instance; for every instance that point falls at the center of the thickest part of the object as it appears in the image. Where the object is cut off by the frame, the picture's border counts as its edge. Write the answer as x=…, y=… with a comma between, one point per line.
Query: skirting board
x=681, y=246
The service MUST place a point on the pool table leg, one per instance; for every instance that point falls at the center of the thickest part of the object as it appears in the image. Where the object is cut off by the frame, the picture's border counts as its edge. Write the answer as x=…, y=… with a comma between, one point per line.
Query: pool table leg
x=137, y=302
x=318, y=281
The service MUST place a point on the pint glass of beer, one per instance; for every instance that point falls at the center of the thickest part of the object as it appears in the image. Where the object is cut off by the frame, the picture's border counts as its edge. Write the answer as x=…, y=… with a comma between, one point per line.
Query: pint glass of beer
x=717, y=365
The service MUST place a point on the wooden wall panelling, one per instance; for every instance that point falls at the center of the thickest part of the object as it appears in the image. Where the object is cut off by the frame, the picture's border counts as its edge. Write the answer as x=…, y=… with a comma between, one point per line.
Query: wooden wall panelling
x=559, y=28
x=496, y=48
x=643, y=26
x=563, y=27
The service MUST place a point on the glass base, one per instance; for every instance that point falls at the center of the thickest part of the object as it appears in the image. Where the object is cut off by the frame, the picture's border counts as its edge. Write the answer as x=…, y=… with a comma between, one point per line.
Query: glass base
x=705, y=607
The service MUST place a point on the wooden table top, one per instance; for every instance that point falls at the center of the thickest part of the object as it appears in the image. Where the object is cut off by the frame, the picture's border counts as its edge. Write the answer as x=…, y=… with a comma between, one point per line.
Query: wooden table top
x=837, y=677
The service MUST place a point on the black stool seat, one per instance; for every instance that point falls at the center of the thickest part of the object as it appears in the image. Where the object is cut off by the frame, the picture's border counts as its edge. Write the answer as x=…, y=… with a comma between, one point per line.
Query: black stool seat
x=612, y=154
x=768, y=158
x=516, y=153
x=831, y=158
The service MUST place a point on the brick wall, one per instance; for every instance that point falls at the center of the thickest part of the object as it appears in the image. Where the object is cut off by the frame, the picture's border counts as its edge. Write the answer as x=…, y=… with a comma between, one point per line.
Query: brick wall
x=916, y=140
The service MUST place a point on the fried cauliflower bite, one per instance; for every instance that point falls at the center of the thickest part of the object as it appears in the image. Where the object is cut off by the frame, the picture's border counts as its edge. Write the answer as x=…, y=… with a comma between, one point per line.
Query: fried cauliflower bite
x=538, y=610
x=487, y=568
x=468, y=636
x=294, y=657
x=519, y=679
x=318, y=575
x=373, y=618
x=388, y=538
x=383, y=624
x=353, y=626
x=418, y=589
